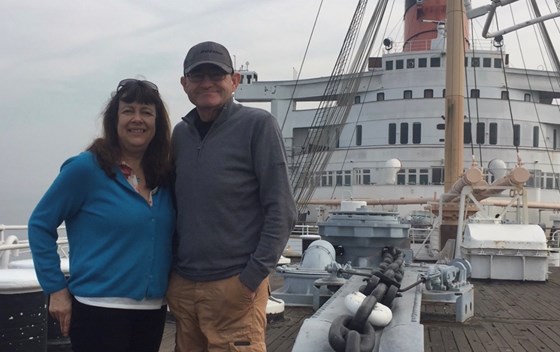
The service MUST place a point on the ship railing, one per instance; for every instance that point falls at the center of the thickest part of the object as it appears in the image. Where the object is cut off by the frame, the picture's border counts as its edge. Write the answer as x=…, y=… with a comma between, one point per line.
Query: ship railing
x=554, y=240
x=302, y=235
x=14, y=243
x=426, y=45
x=421, y=236
x=305, y=230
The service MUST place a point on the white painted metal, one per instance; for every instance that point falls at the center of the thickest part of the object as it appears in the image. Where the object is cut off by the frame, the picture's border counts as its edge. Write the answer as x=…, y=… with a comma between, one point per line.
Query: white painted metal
x=506, y=251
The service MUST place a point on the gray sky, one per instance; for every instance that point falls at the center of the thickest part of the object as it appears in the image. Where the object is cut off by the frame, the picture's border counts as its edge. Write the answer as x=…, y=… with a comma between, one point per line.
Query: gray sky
x=61, y=59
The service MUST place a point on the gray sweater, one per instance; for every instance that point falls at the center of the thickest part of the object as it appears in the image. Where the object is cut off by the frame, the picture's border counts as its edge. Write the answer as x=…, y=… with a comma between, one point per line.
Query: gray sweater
x=234, y=200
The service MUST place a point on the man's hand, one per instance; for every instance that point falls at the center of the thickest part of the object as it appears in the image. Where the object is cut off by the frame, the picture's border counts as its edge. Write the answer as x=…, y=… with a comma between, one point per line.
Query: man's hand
x=247, y=291
x=60, y=308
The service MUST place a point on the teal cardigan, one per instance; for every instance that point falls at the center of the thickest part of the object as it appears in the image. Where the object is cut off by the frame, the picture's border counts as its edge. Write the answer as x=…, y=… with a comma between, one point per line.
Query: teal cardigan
x=119, y=245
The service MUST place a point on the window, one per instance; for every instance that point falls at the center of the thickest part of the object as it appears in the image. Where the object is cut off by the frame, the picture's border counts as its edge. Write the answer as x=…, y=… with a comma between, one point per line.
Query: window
x=437, y=176
x=357, y=99
x=407, y=94
x=411, y=176
x=339, y=178
x=404, y=133
x=392, y=133
x=347, y=178
x=416, y=132
x=549, y=180
x=316, y=179
x=516, y=135
x=401, y=177
x=423, y=176
x=366, y=177
x=422, y=62
x=399, y=64
x=388, y=65
x=493, y=129
x=443, y=93
x=428, y=93
x=466, y=61
x=536, y=136
x=505, y=95
x=497, y=63
x=410, y=63
x=530, y=182
x=358, y=134
x=326, y=179
x=380, y=96
x=363, y=176
x=435, y=62
x=527, y=97
x=475, y=62
x=554, y=140
x=487, y=62
x=475, y=93
x=467, y=133
x=480, y=133
x=536, y=180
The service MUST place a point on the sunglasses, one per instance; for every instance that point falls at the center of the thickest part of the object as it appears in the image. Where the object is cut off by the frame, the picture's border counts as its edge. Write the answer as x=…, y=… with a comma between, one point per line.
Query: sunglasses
x=129, y=81
x=214, y=76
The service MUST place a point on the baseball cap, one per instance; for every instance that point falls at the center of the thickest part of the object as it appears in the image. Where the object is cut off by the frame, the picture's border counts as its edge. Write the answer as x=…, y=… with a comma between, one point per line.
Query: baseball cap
x=208, y=53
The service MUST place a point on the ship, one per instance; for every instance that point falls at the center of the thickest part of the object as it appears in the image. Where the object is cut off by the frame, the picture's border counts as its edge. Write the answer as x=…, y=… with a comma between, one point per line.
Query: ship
x=380, y=120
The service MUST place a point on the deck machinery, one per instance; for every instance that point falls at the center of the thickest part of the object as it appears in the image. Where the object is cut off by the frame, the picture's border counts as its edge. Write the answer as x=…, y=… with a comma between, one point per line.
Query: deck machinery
x=366, y=251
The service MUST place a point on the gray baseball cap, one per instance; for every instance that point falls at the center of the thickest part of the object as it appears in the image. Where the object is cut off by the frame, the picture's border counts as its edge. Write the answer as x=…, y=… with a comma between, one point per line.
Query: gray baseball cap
x=208, y=53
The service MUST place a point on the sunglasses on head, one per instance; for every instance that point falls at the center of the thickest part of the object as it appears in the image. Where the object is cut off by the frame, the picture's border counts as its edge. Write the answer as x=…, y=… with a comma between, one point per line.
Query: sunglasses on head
x=128, y=81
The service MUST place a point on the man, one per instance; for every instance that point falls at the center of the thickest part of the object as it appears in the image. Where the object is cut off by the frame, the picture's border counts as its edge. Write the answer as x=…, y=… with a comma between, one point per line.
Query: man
x=235, y=210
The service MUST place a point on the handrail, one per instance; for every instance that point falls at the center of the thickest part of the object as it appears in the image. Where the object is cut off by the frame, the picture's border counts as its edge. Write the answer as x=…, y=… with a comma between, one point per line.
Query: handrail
x=4, y=228
x=11, y=245
x=304, y=230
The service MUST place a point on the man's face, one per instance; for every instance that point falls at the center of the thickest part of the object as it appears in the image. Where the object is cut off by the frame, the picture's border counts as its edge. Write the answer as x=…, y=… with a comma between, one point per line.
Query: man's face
x=209, y=87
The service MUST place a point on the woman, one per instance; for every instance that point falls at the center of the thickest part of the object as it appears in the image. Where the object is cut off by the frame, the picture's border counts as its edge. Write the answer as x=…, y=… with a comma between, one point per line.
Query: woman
x=116, y=202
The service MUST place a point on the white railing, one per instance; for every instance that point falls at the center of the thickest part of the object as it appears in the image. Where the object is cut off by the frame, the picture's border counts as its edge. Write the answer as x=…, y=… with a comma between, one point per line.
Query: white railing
x=305, y=231
x=12, y=246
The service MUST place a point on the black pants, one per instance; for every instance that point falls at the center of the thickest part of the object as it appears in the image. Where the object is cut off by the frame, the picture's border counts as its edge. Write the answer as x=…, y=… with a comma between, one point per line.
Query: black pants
x=95, y=329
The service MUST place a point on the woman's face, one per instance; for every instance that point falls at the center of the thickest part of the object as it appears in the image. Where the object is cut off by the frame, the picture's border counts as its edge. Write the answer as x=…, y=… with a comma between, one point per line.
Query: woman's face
x=136, y=126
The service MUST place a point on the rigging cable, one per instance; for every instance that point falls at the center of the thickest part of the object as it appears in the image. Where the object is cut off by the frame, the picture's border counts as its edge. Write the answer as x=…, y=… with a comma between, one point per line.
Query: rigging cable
x=556, y=67
x=516, y=145
x=376, y=18
x=475, y=99
x=327, y=115
x=301, y=66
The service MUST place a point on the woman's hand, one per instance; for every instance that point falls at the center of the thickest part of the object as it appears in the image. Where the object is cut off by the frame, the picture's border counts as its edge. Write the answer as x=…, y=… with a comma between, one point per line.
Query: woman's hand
x=60, y=308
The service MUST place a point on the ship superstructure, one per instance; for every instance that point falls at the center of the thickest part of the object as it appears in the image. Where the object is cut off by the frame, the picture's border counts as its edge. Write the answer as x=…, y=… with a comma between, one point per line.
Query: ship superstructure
x=391, y=145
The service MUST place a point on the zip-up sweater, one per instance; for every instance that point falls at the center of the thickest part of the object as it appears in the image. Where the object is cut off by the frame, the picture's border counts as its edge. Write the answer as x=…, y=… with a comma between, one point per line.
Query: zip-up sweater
x=119, y=245
x=235, y=208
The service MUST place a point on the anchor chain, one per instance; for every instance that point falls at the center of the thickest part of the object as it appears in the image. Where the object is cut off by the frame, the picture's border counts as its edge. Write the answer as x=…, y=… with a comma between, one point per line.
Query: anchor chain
x=356, y=334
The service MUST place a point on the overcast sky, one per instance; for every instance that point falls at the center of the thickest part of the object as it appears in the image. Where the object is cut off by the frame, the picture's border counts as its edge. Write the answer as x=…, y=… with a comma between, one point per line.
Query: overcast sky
x=61, y=59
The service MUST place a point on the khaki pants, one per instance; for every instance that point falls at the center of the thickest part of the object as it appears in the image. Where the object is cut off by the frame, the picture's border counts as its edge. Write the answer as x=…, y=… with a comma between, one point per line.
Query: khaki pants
x=218, y=315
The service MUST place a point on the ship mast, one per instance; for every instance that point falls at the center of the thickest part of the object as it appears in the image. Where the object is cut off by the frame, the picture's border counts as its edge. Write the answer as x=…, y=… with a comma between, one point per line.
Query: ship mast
x=454, y=93
x=454, y=110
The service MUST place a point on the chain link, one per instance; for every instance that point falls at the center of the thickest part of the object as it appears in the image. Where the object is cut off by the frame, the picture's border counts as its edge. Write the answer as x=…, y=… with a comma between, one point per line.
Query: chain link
x=356, y=334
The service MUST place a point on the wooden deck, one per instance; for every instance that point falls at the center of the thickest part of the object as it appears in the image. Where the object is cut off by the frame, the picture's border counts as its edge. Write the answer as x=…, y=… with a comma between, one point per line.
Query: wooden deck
x=509, y=316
